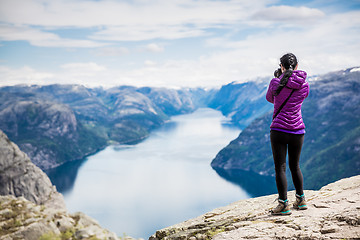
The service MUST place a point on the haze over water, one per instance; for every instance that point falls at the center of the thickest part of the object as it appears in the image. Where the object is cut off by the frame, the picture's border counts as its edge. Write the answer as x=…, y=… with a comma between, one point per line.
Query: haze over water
x=161, y=181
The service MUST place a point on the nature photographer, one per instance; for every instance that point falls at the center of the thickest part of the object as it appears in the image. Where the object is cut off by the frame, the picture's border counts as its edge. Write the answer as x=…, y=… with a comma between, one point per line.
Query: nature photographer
x=287, y=91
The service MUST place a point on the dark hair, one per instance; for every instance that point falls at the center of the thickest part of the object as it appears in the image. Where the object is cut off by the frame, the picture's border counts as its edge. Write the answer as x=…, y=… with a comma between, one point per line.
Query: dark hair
x=289, y=62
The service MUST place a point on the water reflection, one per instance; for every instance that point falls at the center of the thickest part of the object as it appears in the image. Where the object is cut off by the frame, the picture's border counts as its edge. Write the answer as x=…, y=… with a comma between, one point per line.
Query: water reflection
x=254, y=184
x=64, y=176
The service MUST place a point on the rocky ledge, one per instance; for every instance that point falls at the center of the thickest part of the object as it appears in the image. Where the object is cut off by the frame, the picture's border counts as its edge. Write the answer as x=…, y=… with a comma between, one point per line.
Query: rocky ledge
x=20, y=177
x=22, y=219
x=334, y=213
x=30, y=206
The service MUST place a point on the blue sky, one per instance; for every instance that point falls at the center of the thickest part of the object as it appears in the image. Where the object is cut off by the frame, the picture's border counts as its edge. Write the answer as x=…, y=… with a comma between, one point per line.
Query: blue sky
x=171, y=43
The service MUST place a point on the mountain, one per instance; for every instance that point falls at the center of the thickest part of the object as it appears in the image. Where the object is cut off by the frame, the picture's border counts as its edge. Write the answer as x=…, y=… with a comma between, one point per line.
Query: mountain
x=58, y=123
x=170, y=101
x=331, y=149
x=242, y=102
x=47, y=131
x=333, y=213
x=30, y=206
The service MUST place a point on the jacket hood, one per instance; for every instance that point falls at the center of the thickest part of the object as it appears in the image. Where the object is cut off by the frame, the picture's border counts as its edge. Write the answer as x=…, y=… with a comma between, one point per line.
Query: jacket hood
x=297, y=79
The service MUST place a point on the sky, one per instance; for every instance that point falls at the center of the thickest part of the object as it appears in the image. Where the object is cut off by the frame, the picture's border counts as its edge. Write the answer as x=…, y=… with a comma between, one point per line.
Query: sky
x=172, y=43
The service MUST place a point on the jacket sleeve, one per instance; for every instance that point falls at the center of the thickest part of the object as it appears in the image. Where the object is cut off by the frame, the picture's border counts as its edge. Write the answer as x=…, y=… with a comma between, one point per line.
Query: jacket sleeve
x=269, y=94
x=307, y=89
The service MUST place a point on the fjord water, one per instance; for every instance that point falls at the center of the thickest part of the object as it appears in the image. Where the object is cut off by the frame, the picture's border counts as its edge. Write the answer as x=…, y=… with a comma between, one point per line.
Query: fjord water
x=164, y=180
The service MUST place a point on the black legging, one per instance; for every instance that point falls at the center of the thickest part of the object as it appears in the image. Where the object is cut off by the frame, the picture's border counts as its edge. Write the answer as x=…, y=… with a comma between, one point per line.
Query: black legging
x=280, y=142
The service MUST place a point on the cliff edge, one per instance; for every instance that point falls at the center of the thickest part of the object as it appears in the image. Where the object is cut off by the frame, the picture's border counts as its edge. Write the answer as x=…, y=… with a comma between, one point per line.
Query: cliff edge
x=334, y=213
x=30, y=206
x=20, y=177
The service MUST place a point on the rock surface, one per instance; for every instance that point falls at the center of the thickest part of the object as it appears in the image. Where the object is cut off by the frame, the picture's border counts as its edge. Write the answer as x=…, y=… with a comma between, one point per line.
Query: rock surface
x=20, y=177
x=22, y=219
x=334, y=213
x=31, y=208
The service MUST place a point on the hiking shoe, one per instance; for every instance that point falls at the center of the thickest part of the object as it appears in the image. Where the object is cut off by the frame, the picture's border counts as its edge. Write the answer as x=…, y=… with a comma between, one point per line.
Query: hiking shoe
x=300, y=203
x=281, y=209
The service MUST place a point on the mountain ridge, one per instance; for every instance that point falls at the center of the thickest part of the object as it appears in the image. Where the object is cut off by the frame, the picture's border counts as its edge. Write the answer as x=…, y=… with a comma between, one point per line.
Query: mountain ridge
x=242, y=102
x=54, y=124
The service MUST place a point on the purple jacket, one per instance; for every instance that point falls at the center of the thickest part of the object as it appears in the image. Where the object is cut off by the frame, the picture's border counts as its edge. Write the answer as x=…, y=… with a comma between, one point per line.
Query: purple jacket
x=289, y=117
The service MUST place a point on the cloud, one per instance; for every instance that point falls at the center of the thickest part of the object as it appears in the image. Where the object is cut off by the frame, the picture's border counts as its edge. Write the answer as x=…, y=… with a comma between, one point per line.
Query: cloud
x=121, y=20
x=145, y=32
x=150, y=63
x=86, y=13
x=331, y=43
x=87, y=74
x=288, y=13
x=41, y=38
x=153, y=47
x=114, y=21
x=112, y=51
x=24, y=75
x=83, y=67
x=249, y=44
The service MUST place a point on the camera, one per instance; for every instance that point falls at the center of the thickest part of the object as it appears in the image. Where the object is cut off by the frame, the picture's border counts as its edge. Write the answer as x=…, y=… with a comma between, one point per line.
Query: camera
x=277, y=72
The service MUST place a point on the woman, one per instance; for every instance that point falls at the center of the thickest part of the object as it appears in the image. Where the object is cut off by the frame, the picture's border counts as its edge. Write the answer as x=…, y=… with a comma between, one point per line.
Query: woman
x=287, y=91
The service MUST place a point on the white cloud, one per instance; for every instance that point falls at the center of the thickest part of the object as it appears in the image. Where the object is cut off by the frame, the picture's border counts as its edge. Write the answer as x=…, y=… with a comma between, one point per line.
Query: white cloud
x=145, y=32
x=86, y=13
x=150, y=63
x=134, y=21
x=87, y=74
x=24, y=75
x=41, y=38
x=329, y=45
x=330, y=42
x=153, y=47
x=122, y=21
x=83, y=67
x=112, y=51
x=288, y=13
